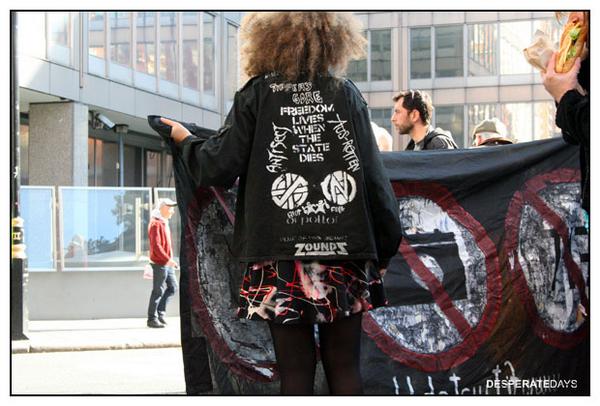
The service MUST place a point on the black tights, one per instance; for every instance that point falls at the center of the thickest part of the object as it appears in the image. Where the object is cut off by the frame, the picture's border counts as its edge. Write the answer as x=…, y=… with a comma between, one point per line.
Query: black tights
x=340, y=352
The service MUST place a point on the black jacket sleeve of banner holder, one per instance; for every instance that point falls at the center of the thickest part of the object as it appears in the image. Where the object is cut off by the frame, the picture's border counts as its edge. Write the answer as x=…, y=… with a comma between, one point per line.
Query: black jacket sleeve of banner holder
x=388, y=230
x=573, y=118
x=224, y=156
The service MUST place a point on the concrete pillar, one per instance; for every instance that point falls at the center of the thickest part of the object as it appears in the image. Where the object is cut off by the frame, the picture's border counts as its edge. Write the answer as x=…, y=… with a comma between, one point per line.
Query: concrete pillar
x=58, y=144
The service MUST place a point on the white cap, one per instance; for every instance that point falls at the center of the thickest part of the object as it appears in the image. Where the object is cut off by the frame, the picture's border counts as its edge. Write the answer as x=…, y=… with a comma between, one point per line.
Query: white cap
x=165, y=201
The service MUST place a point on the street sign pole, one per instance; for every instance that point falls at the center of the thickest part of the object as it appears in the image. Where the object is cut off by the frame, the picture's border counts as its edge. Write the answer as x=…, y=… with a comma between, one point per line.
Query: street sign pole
x=18, y=271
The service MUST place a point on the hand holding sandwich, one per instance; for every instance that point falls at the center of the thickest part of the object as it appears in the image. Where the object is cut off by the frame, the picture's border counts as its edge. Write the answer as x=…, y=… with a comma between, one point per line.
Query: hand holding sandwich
x=557, y=84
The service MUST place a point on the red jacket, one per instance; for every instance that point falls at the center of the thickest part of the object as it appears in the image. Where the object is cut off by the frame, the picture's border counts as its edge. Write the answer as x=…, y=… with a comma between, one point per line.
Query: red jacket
x=160, y=241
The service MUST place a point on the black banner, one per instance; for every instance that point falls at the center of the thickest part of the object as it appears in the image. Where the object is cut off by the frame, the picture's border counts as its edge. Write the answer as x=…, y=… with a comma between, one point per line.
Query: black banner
x=488, y=293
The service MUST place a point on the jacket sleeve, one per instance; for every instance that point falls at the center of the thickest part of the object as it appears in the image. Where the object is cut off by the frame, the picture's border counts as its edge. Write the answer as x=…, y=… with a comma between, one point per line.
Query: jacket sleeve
x=573, y=118
x=380, y=195
x=155, y=237
x=221, y=159
x=440, y=143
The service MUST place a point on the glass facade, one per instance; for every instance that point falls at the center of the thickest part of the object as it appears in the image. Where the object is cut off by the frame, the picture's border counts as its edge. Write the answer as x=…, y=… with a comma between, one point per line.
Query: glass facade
x=37, y=209
x=168, y=46
x=449, y=51
x=514, y=37
x=420, y=53
x=451, y=118
x=477, y=113
x=103, y=163
x=482, y=49
x=518, y=118
x=120, y=38
x=232, y=66
x=104, y=228
x=145, y=47
x=382, y=117
x=381, y=55
x=58, y=28
x=209, y=56
x=190, y=38
x=96, y=35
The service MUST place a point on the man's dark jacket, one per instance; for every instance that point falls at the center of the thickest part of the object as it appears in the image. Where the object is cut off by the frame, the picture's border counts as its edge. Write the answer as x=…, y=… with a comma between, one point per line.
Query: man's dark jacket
x=311, y=181
x=436, y=138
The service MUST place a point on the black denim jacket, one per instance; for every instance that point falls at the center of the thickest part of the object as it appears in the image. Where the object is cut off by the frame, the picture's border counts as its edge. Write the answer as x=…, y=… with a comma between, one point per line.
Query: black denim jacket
x=311, y=181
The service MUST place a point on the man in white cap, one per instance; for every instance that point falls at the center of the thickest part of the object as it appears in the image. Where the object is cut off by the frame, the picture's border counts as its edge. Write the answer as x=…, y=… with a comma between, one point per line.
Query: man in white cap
x=161, y=260
x=490, y=132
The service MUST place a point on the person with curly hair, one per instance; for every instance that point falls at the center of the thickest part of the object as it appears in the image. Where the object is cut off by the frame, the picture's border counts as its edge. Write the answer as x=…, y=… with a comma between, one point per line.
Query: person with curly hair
x=316, y=219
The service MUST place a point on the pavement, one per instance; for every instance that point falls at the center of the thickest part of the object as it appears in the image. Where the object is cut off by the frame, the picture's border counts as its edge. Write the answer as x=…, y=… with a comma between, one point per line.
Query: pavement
x=93, y=335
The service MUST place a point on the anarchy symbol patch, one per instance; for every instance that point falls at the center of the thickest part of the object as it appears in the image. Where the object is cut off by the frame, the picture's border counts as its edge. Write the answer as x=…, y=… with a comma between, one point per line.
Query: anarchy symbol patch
x=289, y=191
x=339, y=188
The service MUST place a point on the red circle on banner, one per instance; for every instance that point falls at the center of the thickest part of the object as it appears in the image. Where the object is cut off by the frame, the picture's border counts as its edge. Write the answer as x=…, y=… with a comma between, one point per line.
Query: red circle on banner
x=238, y=365
x=472, y=337
x=529, y=195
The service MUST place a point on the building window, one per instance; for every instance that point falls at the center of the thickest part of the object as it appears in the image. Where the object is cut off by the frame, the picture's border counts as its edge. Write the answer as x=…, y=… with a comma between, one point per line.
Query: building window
x=450, y=118
x=209, y=54
x=191, y=49
x=382, y=117
x=449, y=51
x=514, y=37
x=232, y=61
x=153, y=169
x=132, y=165
x=550, y=26
x=477, y=113
x=420, y=53
x=58, y=28
x=120, y=38
x=103, y=163
x=482, y=49
x=518, y=119
x=168, y=47
x=357, y=69
x=145, y=48
x=24, y=153
x=543, y=120
x=381, y=55
x=96, y=35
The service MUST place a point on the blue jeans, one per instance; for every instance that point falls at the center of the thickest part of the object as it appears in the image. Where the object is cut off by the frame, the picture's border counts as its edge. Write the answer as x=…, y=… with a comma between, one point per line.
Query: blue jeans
x=160, y=294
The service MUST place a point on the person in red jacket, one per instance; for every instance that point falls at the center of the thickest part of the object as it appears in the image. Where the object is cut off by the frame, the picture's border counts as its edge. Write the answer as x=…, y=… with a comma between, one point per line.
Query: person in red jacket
x=161, y=259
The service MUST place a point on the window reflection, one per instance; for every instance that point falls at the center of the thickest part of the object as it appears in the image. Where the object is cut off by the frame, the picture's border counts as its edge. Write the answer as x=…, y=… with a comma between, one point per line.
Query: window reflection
x=104, y=228
x=518, y=120
x=449, y=51
x=420, y=53
x=479, y=112
x=450, y=118
x=120, y=38
x=543, y=120
x=381, y=55
x=168, y=47
x=514, y=37
x=208, y=63
x=58, y=26
x=232, y=53
x=191, y=49
x=37, y=209
x=482, y=49
x=145, y=48
x=96, y=40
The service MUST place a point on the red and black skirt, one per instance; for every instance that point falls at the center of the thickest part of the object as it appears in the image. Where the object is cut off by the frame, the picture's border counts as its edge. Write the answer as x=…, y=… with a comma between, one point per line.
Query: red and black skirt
x=309, y=291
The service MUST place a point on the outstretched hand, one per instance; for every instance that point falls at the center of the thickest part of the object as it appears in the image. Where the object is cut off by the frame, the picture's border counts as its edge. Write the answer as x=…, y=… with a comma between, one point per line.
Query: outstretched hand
x=178, y=131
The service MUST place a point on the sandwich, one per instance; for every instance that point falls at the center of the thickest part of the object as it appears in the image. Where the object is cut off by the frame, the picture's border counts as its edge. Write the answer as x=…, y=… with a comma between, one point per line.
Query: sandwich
x=572, y=43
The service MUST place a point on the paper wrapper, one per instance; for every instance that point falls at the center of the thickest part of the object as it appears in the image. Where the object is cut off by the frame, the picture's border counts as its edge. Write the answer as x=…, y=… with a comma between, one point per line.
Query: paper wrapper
x=540, y=51
x=538, y=54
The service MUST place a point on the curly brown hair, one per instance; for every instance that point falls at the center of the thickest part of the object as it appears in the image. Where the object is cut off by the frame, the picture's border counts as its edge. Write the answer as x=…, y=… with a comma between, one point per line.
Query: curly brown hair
x=299, y=43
